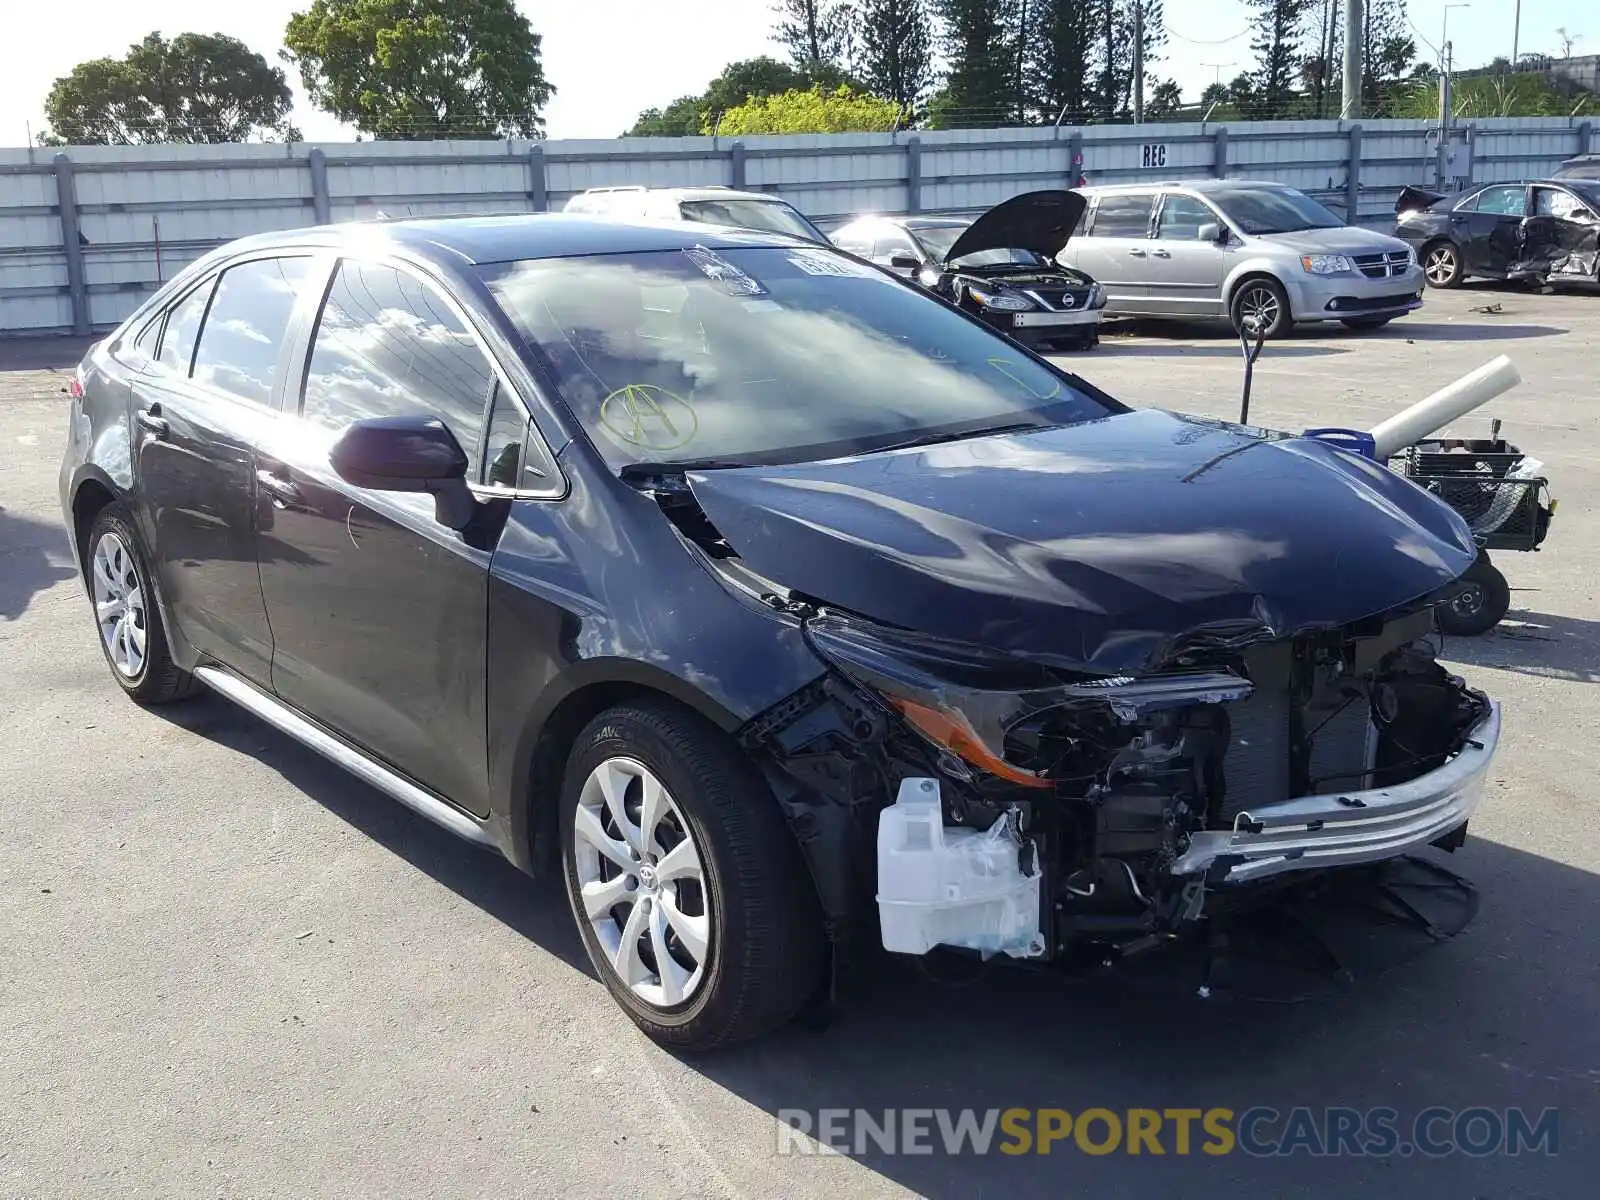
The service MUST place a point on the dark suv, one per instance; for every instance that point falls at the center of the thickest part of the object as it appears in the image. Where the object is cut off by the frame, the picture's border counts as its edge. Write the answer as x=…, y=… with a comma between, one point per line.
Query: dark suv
x=695, y=560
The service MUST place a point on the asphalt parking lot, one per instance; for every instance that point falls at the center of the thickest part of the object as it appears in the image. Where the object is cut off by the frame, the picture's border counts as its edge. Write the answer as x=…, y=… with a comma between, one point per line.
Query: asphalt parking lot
x=229, y=969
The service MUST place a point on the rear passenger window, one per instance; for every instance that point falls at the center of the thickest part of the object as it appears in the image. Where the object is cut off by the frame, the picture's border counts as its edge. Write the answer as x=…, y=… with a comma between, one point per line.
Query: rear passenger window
x=183, y=325
x=245, y=328
x=1504, y=201
x=1123, y=216
x=387, y=345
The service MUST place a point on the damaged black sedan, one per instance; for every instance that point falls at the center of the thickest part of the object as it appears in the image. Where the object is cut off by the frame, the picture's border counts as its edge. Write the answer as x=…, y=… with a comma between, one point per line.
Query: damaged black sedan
x=776, y=605
x=1538, y=233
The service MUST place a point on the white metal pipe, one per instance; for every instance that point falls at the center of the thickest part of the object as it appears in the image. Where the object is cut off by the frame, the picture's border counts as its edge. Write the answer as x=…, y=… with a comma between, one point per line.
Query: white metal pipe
x=1454, y=400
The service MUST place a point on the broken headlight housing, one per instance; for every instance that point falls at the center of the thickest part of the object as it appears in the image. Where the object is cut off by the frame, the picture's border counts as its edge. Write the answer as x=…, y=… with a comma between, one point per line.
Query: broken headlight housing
x=968, y=702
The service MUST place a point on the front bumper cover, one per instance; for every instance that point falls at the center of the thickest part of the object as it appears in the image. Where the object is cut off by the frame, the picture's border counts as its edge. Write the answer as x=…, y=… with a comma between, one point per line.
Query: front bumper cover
x=1348, y=828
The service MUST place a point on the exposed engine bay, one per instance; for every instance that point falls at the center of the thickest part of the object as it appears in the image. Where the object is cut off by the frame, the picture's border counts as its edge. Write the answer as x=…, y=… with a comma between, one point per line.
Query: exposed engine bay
x=1134, y=808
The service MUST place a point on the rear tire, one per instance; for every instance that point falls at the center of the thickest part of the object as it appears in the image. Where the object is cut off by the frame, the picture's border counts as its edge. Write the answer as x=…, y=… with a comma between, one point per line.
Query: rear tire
x=1442, y=265
x=673, y=845
x=1481, y=600
x=127, y=615
x=1265, y=299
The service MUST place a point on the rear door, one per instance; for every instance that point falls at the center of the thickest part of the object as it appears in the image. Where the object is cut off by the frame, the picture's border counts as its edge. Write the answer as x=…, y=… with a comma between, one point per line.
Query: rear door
x=1492, y=224
x=1186, y=273
x=1115, y=248
x=202, y=406
x=379, y=612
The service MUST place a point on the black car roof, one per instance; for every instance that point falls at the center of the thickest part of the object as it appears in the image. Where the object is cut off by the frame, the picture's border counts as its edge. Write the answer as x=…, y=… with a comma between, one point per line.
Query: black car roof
x=511, y=237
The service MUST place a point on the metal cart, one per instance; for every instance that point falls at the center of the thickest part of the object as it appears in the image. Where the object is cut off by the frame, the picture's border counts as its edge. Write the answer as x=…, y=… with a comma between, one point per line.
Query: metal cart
x=1495, y=487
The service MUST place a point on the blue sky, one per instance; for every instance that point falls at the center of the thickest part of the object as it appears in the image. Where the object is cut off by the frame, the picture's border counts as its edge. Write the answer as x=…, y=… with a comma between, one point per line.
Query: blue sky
x=611, y=58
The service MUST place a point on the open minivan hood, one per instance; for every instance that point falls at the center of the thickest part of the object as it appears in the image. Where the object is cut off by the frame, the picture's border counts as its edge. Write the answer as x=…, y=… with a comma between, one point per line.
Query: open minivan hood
x=1037, y=221
x=1101, y=544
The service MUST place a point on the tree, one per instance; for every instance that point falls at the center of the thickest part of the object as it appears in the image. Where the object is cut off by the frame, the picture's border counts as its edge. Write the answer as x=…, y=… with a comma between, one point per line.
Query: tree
x=817, y=33
x=1165, y=100
x=980, y=83
x=1568, y=40
x=816, y=110
x=1277, y=49
x=422, y=68
x=1215, y=93
x=896, y=57
x=195, y=88
x=1063, y=47
x=1387, y=50
x=739, y=81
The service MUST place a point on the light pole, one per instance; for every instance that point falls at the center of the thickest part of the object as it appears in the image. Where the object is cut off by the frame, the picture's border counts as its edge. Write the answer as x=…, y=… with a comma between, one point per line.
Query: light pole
x=1516, y=35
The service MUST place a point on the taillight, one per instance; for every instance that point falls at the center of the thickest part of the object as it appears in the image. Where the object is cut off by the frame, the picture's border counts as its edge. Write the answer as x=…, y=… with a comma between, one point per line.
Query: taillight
x=75, y=388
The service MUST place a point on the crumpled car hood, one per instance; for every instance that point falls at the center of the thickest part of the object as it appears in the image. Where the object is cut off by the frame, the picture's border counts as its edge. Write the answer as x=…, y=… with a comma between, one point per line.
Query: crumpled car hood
x=1100, y=545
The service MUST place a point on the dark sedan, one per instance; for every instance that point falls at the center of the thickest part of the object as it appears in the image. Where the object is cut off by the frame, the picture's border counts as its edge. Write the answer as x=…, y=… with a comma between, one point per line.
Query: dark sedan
x=1001, y=267
x=698, y=566
x=1535, y=232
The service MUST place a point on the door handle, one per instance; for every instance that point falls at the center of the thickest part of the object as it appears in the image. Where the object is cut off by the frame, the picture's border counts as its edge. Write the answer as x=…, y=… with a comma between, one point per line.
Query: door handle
x=1162, y=253
x=284, y=492
x=1136, y=252
x=150, y=419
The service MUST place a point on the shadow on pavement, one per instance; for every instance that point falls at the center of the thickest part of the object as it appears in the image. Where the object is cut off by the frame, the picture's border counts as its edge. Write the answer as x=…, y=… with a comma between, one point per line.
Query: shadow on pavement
x=1151, y=349
x=43, y=353
x=34, y=555
x=537, y=909
x=1535, y=643
x=1459, y=330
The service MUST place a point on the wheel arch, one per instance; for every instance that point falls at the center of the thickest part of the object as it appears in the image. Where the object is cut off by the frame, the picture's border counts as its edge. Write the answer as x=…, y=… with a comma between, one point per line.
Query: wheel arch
x=1246, y=274
x=90, y=496
x=544, y=743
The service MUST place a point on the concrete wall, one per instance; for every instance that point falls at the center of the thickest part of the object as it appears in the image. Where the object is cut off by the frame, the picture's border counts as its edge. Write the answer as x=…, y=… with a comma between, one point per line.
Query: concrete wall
x=87, y=232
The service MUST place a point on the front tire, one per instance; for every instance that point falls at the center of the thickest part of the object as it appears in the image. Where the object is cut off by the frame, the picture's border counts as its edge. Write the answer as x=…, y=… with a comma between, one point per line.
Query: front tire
x=126, y=613
x=686, y=883
x=1265, y=300
x=1442, y=265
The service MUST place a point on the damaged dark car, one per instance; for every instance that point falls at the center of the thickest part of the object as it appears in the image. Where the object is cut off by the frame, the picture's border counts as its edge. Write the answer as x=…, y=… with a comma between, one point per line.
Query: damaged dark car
x=782, y=610
x=1545, y=232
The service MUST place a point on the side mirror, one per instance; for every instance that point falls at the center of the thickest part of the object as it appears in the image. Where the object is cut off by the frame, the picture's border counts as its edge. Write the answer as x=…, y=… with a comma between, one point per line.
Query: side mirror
x=1212, y=231
x=903, y=260
x=408, y=454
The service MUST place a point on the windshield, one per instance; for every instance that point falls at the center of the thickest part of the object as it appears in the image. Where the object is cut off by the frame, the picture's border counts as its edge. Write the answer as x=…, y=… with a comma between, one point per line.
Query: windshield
x=769, y=216
x=941, y=238
x=1272, y=210
x=767, y=355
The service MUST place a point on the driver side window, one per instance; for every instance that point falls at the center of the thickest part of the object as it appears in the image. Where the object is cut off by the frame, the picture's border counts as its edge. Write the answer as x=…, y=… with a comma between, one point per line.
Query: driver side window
x=1181, y=218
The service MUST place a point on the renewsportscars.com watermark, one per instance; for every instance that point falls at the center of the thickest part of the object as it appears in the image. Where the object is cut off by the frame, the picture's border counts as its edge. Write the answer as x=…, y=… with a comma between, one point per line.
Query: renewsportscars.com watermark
x=1263, y=1132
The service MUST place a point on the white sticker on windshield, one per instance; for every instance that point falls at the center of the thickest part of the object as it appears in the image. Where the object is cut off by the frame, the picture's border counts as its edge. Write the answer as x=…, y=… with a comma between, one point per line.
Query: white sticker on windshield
x=714, y=267
x=820, y=262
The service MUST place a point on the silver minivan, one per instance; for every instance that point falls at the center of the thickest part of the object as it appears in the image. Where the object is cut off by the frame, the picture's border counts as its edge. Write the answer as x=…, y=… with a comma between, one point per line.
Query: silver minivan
x=1239, y=249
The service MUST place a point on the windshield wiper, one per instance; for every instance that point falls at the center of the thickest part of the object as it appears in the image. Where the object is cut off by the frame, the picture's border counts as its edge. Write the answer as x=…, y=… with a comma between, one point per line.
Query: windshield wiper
x=933, y=439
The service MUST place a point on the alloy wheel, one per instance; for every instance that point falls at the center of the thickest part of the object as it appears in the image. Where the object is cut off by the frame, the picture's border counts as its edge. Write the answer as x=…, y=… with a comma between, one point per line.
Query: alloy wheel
x=1440, y=266
x=641, y=884
x=1260, y=305
x=119, y=604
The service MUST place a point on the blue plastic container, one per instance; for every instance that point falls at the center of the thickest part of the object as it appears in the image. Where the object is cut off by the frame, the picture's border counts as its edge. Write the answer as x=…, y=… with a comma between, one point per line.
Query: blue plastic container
x=1357, y=441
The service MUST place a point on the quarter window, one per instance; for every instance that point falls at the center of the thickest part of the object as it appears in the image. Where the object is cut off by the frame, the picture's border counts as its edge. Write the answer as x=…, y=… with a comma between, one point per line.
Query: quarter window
x=387, y=345
x=1125, y=216
x=246, y=325
x=502, y=455
x=183, y=327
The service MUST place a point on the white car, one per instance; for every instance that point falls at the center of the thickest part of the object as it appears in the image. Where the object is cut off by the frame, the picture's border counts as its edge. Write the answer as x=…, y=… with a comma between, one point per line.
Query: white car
x=708, y=205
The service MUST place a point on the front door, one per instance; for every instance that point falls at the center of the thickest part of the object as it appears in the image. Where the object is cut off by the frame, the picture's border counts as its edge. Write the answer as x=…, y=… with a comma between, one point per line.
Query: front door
x=200, y=407
x=1186, y=273
x=379, y=612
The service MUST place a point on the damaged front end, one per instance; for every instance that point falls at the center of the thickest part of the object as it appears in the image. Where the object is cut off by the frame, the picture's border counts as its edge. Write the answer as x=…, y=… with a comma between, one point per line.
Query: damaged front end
x=1023, y=809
